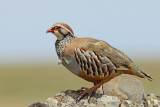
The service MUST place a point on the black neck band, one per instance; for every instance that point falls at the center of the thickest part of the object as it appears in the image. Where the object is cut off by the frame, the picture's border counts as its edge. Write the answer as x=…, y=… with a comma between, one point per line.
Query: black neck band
x=63, y=33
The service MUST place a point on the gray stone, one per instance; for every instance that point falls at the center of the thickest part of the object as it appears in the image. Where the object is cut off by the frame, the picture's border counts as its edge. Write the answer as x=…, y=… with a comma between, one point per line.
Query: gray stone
x=38, y=104
x=125, y=87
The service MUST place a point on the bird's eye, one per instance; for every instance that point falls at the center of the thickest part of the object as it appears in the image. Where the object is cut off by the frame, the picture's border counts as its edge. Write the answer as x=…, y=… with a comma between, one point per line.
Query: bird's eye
x=57, y=28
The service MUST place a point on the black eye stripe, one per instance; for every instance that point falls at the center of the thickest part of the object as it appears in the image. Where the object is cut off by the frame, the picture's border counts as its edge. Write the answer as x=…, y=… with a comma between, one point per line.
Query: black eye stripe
x=56, y=28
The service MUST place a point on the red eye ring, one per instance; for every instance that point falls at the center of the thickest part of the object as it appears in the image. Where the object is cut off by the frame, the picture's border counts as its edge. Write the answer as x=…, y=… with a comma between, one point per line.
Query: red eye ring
x=57, y=28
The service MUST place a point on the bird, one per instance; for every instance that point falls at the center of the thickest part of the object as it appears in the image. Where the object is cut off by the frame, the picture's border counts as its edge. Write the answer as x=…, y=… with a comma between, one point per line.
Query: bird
x=93, y=60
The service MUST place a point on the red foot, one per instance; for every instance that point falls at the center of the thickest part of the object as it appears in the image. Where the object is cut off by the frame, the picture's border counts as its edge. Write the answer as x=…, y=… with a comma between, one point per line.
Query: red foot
x=89, y=91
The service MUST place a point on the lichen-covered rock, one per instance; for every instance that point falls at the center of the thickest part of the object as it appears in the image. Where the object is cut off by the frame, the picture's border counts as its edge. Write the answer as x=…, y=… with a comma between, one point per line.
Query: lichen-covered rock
x=152, y=100
x=68, y=99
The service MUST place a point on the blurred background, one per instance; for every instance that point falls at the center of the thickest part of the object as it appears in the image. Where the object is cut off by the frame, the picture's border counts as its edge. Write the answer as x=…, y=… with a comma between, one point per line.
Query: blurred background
x=28, y=62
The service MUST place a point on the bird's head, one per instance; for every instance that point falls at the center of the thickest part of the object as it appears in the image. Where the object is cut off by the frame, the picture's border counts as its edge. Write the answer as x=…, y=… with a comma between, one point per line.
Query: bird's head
x=60, y=30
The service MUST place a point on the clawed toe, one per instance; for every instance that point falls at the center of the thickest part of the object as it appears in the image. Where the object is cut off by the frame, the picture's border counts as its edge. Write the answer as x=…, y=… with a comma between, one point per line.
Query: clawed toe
x=89, y=91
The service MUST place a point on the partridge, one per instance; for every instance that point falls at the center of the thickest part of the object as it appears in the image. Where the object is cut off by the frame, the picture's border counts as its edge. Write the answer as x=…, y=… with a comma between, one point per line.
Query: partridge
x=91, y=59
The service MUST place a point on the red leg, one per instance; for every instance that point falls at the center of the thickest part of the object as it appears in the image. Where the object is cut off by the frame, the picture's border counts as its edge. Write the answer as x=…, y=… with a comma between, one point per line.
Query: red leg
x=90, y=91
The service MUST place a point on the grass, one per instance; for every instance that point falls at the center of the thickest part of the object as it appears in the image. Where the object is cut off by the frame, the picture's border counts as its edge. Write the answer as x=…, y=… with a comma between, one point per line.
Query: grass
x=21, y=85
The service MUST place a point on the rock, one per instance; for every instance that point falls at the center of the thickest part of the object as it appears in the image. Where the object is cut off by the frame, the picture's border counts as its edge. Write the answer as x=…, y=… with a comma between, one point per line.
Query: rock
x=68, y=99
x=152, y=100
x=125, y=87
x=38, y=104
x=122, y=91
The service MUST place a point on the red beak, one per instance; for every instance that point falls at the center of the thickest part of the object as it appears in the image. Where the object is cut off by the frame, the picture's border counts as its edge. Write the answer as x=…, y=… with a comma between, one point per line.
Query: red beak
x=49, y=30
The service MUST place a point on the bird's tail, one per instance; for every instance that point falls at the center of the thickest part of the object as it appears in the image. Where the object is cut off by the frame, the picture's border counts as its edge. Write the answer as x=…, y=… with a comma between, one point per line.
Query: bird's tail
x=140, y=73
x=134, y=70
x=146, y=76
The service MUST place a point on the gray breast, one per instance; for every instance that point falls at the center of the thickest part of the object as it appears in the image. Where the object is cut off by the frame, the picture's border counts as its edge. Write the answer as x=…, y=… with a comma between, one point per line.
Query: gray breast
x=71, y=64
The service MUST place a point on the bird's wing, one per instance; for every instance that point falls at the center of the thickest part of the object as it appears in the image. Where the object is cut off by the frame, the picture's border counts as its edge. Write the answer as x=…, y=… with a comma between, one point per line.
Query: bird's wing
x=99, y=53
x=99, y=47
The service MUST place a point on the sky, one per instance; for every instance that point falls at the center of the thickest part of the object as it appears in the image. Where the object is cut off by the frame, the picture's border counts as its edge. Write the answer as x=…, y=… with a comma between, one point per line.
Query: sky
x=132, y=26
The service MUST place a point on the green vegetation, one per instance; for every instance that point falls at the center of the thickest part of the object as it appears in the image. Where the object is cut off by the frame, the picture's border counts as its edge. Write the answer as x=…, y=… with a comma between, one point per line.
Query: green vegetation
x=21, y=85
